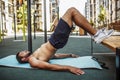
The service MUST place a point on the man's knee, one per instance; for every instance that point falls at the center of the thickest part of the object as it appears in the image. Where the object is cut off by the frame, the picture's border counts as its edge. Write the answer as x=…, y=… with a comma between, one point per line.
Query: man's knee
x=72, y=10
x=68, y=15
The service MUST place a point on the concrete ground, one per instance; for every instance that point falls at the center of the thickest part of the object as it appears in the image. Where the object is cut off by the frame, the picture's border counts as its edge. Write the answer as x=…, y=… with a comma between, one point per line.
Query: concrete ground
x=76, y=44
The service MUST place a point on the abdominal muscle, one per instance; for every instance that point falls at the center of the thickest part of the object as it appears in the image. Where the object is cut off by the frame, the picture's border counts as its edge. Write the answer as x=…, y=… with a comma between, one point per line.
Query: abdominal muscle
x=45, y=52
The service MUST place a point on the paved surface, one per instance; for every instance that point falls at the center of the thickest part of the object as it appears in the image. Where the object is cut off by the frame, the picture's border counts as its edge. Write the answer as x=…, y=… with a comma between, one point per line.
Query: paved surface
x=77, y=45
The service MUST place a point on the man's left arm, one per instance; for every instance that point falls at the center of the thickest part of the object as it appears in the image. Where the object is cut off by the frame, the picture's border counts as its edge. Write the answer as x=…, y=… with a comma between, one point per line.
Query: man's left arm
x=45, y=65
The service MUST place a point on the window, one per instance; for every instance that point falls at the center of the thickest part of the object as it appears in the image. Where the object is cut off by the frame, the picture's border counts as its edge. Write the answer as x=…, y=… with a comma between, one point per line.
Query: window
x=10, y=9
x=91, y=10
x=118, y=16
x=3, y=6
x=118, y=4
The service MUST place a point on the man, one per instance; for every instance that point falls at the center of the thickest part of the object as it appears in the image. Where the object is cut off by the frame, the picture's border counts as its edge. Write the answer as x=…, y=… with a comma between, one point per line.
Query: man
x=40, y=57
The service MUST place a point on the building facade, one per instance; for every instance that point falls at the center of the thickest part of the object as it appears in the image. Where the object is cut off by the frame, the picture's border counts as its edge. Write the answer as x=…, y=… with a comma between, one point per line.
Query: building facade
x=38, y=11
x=6, y=15
x=109, y=10
x=12, y=11
x=53, y=10
x=38, y=14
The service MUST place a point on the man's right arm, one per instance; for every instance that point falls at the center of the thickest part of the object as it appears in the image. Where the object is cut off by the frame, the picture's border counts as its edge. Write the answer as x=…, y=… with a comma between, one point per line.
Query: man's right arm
x=45, y=65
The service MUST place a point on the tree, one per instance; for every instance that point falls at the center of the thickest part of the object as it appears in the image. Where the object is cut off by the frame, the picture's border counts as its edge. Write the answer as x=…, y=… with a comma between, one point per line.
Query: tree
x=101, y=16
x=21, y=15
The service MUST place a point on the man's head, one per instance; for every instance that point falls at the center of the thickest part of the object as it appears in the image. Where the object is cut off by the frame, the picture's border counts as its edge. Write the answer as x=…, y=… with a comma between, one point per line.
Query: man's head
x=22, y=57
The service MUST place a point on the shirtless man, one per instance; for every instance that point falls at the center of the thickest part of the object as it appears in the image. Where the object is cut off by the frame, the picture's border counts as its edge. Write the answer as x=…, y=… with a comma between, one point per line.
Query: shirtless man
x=40, y=57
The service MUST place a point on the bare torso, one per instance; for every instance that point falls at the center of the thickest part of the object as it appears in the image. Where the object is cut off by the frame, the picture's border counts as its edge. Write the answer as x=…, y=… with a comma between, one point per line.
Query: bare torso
x=45, y=52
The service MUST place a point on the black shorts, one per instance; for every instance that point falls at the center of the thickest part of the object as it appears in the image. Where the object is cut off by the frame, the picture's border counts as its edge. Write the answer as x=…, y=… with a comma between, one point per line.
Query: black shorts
x=61, y=34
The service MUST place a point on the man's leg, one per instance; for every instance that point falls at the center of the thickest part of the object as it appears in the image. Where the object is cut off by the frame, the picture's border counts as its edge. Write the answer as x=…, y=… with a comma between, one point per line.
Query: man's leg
x=73, y=15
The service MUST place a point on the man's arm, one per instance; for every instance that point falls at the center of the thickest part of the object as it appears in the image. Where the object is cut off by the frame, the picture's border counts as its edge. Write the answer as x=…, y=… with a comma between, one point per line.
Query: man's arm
x=45, y=65
x=64, y=55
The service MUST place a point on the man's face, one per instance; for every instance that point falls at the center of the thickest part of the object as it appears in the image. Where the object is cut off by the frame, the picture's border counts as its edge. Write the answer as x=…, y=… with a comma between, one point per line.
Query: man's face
x=24, y=55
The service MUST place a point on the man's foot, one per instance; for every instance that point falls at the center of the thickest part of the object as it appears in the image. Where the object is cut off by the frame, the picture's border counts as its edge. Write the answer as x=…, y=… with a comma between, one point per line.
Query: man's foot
x=102, y=34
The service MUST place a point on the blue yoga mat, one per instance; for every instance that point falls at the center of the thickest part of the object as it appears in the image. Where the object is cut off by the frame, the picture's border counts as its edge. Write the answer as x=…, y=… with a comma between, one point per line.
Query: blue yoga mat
x=80, y=62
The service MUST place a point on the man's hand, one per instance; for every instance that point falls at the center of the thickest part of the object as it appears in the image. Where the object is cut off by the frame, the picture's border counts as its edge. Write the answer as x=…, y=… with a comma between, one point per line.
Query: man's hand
x=74, y=55
x=76, y=71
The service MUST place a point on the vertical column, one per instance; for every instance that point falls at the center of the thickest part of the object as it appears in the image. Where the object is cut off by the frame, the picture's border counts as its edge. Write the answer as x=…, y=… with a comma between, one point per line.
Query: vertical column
x=118, y=63
x=14, y=17
x=45, y=24
x=0, y=18
x=29, y=25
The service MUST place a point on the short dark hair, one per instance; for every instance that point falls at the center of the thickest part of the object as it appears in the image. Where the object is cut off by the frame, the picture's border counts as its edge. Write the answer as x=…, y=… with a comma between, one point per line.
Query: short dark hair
x=19, y=58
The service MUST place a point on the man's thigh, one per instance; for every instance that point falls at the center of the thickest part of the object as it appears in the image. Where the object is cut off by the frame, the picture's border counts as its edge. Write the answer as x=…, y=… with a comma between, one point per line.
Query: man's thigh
x=68, y=18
